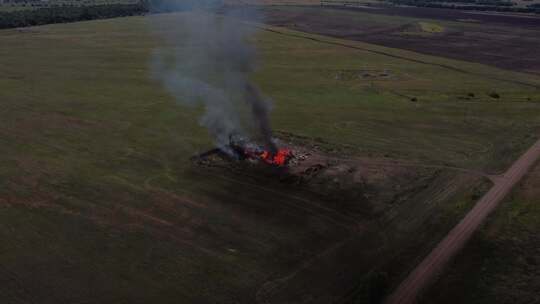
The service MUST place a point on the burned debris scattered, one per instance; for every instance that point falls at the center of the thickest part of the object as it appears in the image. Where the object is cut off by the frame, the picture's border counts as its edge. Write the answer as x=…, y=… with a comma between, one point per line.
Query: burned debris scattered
x=292, y=163
x=241, y=149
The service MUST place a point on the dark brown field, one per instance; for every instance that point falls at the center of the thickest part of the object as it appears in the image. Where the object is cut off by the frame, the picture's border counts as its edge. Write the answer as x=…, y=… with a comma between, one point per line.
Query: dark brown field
x=505, y=41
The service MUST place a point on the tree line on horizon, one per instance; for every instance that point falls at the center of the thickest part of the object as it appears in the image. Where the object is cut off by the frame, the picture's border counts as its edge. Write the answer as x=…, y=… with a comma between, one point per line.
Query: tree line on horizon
x=71, y=13
x=476, y=5
x=64, y=14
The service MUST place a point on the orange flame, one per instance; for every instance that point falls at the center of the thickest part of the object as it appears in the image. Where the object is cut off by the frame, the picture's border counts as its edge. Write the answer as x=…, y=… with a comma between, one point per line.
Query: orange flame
x=278, y=159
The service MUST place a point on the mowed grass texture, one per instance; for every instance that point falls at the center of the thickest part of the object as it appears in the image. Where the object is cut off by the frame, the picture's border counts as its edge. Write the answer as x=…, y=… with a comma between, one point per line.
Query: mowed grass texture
x=99, y=202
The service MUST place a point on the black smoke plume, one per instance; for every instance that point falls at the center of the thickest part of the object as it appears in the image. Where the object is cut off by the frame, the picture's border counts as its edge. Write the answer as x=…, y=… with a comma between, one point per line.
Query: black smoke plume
x=206, y=60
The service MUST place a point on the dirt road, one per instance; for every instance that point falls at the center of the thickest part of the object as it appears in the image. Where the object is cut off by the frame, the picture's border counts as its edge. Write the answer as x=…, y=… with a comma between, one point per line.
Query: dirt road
x=408, y=291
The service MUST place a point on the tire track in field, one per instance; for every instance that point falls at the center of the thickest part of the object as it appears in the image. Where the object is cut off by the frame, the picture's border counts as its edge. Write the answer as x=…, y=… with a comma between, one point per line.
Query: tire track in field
x=306, y=205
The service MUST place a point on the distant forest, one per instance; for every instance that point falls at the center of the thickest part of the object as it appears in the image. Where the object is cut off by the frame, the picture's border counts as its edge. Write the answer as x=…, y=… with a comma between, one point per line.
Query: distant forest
x=62, y=14
x=71, y=13
x=36, y=14
x=477, y=5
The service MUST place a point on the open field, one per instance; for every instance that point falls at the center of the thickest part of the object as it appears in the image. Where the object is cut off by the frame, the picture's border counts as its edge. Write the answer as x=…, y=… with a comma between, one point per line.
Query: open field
x=427, y=271
x=99, y=202
x=500, y=265
x=492, y=39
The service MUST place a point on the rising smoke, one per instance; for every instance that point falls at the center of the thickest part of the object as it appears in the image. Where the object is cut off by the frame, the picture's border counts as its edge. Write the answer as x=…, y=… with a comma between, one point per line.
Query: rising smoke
x=206, y=61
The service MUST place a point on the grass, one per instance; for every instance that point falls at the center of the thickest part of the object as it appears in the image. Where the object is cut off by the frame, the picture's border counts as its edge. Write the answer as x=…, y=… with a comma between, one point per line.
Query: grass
x=500, y=264
x=431, y=27
x=100, y=203
x=422, y=28
x=378, y=115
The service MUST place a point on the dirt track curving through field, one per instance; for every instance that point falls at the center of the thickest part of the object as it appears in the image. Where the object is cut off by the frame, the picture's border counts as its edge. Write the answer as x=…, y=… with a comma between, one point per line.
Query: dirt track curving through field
x=408, y=291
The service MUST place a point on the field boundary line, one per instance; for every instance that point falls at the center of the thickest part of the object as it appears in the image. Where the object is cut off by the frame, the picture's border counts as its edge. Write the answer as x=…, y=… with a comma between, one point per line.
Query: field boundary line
x=440, y=65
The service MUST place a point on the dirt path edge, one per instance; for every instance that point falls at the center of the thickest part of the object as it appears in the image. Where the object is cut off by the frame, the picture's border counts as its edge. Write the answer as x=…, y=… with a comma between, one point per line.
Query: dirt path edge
x=425, y=273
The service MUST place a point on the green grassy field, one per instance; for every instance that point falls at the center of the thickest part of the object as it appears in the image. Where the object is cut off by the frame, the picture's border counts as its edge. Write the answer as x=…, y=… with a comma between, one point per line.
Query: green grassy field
x=500, y=265
x=377, y=115
x=99, y=202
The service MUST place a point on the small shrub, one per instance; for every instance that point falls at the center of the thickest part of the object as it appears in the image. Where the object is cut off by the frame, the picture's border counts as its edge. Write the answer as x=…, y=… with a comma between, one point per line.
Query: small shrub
x=494, y=95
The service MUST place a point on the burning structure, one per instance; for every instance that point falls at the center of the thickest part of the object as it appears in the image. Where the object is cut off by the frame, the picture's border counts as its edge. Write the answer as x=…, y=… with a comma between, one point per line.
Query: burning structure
x=243, y=150
x=206, y=61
